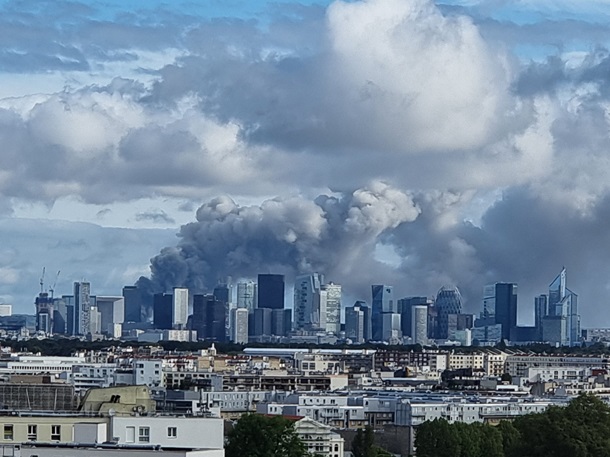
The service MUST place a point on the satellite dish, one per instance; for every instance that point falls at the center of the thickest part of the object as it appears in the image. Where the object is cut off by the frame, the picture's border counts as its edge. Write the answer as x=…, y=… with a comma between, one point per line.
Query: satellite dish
x=112, y=412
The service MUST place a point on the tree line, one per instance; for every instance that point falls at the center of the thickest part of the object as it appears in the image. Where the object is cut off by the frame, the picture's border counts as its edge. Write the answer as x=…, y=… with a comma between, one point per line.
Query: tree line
x=580, y=429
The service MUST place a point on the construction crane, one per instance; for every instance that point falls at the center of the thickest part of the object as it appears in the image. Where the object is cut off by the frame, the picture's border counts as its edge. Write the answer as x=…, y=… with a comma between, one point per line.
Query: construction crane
x=42, y=281
x=52, y=288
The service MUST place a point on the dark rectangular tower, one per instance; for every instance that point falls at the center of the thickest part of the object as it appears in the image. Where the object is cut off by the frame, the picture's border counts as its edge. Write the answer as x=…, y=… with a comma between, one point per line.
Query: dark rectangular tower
x=271, y=291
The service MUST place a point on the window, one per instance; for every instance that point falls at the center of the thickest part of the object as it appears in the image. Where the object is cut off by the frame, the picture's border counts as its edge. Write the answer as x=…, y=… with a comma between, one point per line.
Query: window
x=172, y=432
x=144, y=434
x=8, y=431
x=55, y=432
x=32, y=432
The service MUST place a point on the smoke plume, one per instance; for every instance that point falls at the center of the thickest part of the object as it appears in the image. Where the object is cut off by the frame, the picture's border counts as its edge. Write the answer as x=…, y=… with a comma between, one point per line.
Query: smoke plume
x=333, y=234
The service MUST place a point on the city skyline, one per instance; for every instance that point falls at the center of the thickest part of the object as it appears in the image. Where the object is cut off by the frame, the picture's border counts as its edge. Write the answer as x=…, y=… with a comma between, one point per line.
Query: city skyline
x=405, y=142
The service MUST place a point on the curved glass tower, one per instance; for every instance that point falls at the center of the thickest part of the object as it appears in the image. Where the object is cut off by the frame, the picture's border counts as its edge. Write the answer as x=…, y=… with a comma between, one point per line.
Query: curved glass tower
x=448, y=301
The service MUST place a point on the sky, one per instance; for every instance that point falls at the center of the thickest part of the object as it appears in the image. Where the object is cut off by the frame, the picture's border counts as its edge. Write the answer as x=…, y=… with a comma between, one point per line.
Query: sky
x=407, y=142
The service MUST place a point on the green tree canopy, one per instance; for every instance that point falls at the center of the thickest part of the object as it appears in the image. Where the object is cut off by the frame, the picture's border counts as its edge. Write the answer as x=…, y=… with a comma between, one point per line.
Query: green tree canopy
x=255, y=435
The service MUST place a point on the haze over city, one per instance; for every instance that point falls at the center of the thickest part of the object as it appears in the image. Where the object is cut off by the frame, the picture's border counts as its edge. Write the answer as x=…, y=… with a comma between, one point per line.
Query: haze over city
x=404, y=142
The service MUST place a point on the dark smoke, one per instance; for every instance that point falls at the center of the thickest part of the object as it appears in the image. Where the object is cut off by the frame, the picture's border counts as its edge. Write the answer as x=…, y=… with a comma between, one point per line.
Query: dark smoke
x=336, y=235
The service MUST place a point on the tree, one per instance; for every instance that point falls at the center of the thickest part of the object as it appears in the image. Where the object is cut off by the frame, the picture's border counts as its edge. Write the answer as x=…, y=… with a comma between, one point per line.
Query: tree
x=255, y=435
x=363, y=444
x=437, y=438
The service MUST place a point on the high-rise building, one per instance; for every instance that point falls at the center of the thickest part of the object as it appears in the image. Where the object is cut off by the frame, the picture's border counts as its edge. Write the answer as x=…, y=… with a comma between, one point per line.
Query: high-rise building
x=281, y=322
x=112, y=314
x=271, y=291
x=354, y=324
x=162, y=311
x=404, y=308
x=391, y=329
x=541, y=309
x=262, y=320
x=500, y=306
x=247, y=295
x=333, y=307
x=60, y=317
x=82, y=308
x=448, y=301
x=44, y=313
x=209, y=318
x=382, y=303
x=133, y=304
x=223, y=292
x=309, y=309
x=180, y=307
x=239, y=328
x=562, y=302
x=419, y=324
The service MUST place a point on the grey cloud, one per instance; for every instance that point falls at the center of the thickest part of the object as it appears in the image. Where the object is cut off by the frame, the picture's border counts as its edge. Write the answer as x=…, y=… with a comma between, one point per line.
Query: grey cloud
x=157, y=216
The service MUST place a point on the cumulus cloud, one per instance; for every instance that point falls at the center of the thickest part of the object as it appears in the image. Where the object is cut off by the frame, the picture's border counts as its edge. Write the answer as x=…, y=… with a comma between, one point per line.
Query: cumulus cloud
x=400, y=115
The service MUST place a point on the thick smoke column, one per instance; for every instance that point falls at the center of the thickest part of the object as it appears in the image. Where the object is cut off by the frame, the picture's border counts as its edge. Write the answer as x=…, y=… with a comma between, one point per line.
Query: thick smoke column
x=332, y=234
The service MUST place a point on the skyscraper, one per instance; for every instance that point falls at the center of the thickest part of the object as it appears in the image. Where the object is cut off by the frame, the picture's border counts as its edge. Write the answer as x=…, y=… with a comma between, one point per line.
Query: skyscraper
x=133, y=304
x=354, y=324
x=541, y=308
x=82, y=308
x=223, y=292
x=162, y=311
x=239, y=329
x=180, y=307
x=382, y=303
x=44, y=313
x=419, y=324
x=448, y=301
x=209, y=318
x=271, y=291
x=333, y=307
x=500, y=305
x=309, y=309
x=247, y=295
x=112, y=314
x=562, y=306
x=404, y=308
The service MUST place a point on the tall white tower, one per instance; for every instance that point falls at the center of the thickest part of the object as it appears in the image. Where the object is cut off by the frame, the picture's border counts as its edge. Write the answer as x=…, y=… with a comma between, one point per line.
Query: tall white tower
x=180, y=307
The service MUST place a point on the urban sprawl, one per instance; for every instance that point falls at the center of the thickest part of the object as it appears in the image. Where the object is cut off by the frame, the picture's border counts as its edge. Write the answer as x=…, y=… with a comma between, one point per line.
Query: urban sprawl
x=392, y=365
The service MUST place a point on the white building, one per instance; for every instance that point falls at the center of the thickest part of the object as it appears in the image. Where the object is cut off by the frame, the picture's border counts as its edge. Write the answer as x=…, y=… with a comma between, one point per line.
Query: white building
x=518, y=365
x=319, y=439
x=147, y=372
x=333, y=307
x=168, y=432
x=180, y=306
x=239, y=327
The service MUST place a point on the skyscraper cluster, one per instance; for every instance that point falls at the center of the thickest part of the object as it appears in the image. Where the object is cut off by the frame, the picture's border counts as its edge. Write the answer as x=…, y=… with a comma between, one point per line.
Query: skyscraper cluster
x=258, y=313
